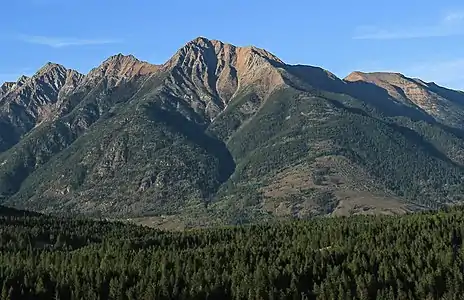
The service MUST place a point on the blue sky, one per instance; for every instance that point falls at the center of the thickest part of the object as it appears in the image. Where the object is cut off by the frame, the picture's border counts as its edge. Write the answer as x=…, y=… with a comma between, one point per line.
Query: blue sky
x=419, y=38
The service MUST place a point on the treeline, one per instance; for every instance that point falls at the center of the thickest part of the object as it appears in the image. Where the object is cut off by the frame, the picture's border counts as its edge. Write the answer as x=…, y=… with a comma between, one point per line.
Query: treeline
x=417, y=256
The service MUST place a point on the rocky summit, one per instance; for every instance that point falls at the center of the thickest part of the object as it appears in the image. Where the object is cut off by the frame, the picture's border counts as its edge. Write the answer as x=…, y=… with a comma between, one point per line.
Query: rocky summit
x=221, y=134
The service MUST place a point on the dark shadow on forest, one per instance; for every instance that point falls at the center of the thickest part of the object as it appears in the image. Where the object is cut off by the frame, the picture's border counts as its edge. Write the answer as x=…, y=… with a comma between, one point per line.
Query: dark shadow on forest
x=196, y=134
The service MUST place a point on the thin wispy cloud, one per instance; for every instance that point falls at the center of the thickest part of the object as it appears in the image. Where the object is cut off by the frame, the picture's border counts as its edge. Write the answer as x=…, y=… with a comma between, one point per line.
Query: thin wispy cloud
x=452, y=24
x=60, y=42
x=454, y=17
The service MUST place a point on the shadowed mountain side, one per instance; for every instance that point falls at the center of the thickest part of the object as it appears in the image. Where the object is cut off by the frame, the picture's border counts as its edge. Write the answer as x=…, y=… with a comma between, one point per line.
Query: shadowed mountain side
x=315, y=77
x=11, y=212
x=455, y=96
x=369, y=93
x=197, y=135
x=409, y=134
x=429, y=98
x=383, y=102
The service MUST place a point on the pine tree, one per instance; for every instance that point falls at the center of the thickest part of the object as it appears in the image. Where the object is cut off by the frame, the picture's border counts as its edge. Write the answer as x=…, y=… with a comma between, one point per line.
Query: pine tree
x=40, y=286
x=5, y=290
x=11, y=293
x=57, y=294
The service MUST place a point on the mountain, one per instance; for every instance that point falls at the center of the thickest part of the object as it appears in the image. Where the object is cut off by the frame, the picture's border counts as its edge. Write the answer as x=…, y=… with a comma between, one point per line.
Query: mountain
x=225, y=134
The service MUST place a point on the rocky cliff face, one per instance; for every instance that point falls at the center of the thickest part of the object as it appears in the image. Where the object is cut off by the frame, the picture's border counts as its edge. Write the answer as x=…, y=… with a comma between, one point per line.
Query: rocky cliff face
x=28, y=102
x=35, y=98
x=9, y=86
x=119, y=68
x=208, y=74
x=6, y=87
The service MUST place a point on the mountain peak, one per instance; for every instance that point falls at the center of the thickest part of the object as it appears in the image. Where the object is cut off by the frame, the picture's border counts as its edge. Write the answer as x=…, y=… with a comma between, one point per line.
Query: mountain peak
x=218, y=69
x=396, y=84
x=121, y=65
x=6, y=87
x=50, y=67
x=194, y=45
x=22, y=79
x=394, y=78
x=373, y=76
x=199, y=41
x=218, y=46
x=8, y=84
x=31, y=100
x=121, y=57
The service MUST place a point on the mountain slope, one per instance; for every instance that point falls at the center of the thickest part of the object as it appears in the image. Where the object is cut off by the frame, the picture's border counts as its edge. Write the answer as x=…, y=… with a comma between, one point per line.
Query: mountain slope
x=306, y=153
x=72, y=116
x=221, y=133
x=134, y=150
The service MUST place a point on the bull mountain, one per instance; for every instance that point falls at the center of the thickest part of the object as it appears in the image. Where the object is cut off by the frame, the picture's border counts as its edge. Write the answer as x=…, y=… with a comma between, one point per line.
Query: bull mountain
x=226, y=134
